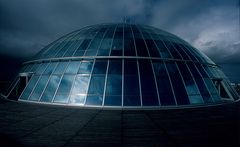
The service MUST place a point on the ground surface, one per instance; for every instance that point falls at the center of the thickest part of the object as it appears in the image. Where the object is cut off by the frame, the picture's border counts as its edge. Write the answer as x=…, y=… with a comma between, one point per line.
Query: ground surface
x=26, y=124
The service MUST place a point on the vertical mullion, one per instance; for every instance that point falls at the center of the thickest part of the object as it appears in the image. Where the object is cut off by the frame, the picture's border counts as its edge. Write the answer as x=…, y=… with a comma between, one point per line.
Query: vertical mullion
x=74, y=79
x=139, y=82
x=60, y=81
x=102, y=39
x=105, y=83
x=90, y=76
x=154, y=76
x=170, y=83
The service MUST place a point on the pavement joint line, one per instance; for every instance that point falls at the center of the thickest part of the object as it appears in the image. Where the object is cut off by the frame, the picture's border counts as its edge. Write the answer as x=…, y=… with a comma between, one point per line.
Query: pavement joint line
x=80, y=129
x=170, y=137
x=35, y=130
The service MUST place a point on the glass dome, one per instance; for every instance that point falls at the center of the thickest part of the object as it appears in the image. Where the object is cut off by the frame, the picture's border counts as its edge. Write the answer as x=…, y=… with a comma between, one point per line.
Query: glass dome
x=122, y=65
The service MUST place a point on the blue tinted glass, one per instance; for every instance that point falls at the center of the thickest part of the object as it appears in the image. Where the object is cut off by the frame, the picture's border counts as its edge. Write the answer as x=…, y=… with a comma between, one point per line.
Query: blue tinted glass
x=94, y=44
x=181, y=51
x=131, y=84
x=29, y=87
x=77, y=99
x=39, y=88
x=177, y=83
x=60, y=68
x=50, y=68
x=173, y=51
x=64, y=89
x=188, y=52
x=41, y=68
x=96, y=85
x=50, y=89
x=115, y=67
x=114, y=85
x=72, y=67
x=164, y=86
x=90, y=53
x=129, y=47
x=94, y=100
x=100, y=67
x=191, y=87
x=141, y=47
x=202, y=71
x=84, y=44
x=200, y=83
x=113, y=100
x=148, y=87
x=163, y=50
x=212, y=89
x=85, y=67
x=152, y=48
x=72, y=49
x=117, y=45
x=80, y=85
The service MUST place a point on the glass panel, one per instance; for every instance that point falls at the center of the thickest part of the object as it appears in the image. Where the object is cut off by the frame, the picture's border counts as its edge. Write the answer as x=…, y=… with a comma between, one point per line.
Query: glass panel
x=212, y=89
x=114, y=85
x=148, y=87
x=113, y=100
x=193, y=93
x=60, y=68
x=164, y=86
x=39, y=88
x=77, y=99
x=163, y=50
x=100, y=67
x=80, y=85
x=50, y=89
x=200, y=83
x=141, y=48
x=173, y=51
x=153, y=50
x=131, y=84
x=177, y=83
x=85, y=67
x=72, y=67
x=64, y=89
x=96, y=85
x=129, y=47
x=188, y=52
x=50, y=68
x=84, y=44
x=29, y=87
x=94, y=100
x=41, y=68
x=181, y=51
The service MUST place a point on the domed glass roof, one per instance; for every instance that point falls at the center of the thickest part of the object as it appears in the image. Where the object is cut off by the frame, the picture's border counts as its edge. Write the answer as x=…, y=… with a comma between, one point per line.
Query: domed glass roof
x=123, y=66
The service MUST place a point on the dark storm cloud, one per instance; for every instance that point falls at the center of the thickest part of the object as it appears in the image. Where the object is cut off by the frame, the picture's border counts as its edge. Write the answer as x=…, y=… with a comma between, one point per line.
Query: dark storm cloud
x=212, y=26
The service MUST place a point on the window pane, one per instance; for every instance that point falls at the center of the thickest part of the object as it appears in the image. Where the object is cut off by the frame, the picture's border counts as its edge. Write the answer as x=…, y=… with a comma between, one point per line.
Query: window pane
x=80, y=85
x=193, y=92
x=141, y=47
x=164, y=86
x=94, y=100
x=115, y=67
x=114, y=85
x=72, y=67
x=200, y=83
x=96, y=85
x=41, y=68
x=113, y=100
x=181, y=51
x=173, y=51
x=85, y=68
x=177, y=83
x=148, y=87
x=39, y=88
x=163, y=50
x=29, y=87
x=60, y=68
x=100, y=67
x=131, y=84
x=64, y=89
x=129, y=47
x=50, y=68
x=50, y=89
x=77, y=99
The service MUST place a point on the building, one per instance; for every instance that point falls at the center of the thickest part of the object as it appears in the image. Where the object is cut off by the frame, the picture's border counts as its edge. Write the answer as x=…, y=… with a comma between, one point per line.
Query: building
x=126, y=68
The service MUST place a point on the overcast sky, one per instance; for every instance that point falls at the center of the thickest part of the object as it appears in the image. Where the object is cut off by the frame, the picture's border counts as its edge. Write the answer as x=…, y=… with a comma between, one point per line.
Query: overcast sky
x=26, y=26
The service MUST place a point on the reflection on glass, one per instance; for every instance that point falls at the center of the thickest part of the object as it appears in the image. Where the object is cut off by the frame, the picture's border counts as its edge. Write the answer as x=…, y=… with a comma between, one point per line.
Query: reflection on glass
x=64, y=89
x=39, y=88
x=85, y=67
x=29, y=88
x=50, y=89
x=148, y=87
x=193, y=93
x=100, y=67
x=164, y=86
x=60, y=68
x=72, y=67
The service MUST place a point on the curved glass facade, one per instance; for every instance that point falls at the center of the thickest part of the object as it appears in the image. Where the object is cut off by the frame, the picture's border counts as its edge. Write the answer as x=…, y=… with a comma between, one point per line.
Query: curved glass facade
x=124, y=65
